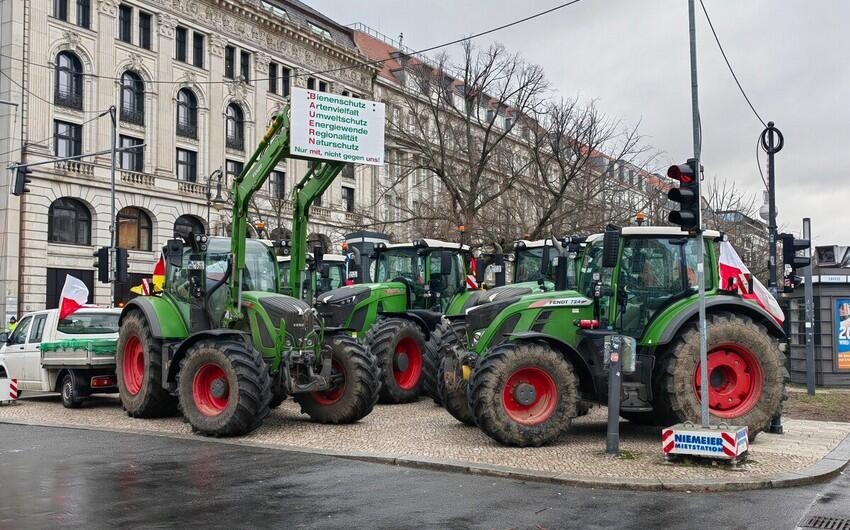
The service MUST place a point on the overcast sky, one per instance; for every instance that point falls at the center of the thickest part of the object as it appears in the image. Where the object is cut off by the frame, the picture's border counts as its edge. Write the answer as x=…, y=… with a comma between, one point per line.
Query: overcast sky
x=632, y=57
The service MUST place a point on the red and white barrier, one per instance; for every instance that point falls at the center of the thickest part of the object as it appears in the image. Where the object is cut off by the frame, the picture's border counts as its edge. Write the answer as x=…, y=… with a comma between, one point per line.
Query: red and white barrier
x=723, y=442
x=8, y=389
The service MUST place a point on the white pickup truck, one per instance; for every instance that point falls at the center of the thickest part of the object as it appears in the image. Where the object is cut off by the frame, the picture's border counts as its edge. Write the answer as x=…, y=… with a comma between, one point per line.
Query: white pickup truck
x=74, y=356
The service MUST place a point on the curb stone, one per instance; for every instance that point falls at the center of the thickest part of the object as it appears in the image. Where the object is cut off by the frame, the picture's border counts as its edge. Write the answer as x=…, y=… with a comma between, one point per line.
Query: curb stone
x=826, y=468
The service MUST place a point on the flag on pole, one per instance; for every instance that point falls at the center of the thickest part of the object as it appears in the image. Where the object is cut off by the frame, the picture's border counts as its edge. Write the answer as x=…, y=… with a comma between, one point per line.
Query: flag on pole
x=74, y=295
x=155, y=283
x=735, y=276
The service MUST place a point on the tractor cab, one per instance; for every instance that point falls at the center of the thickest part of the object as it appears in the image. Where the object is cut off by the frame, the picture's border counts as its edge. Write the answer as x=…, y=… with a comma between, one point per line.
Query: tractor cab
x=330, y=273
x=432, y=271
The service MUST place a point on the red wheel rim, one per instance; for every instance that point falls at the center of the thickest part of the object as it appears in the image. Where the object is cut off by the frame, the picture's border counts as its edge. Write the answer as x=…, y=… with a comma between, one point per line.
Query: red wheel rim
x=407, y=374
x=210, y=389
x=736, y=380
x=331, y=396
x=530, y=411
x=133, y=366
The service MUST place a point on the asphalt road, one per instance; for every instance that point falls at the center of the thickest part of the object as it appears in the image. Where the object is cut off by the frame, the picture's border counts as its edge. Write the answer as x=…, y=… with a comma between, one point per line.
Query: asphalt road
x=71, y=478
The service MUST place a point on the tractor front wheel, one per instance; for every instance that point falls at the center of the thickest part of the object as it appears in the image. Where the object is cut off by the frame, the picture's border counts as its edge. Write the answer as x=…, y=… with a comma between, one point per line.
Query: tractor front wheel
x=138, y=366
x=398, y=345
x=224, y=388
x=523, y=394
x=744, y=374
x=356, y=391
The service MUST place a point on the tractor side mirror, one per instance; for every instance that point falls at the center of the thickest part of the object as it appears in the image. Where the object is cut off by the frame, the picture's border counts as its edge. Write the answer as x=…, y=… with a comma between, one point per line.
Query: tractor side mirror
x=325, y=270
x=547, y=259
x=318, y=254
x=4, y=337
x=174, y=252
x=610, y=247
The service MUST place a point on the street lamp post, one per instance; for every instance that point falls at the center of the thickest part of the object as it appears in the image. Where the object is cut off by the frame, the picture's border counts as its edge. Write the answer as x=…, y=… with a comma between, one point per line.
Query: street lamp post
x=218, y=201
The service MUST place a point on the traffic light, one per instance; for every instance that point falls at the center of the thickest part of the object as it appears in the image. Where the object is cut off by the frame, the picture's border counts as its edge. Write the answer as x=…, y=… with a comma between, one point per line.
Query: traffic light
x=687, y=195
x=122, y=266
x=19, y=187
x=792, y=262
x=102, y=264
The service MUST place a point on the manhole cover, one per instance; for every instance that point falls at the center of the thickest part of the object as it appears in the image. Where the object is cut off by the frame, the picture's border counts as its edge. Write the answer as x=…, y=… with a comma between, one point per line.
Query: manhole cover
x=827, y=523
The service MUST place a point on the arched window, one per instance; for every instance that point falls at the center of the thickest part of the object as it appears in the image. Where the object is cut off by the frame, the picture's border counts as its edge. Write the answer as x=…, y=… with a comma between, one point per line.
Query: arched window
x=235, y=127
x=187, y=114
x=69, y=81
x=186, y=224
x=134, y=229
x=69, y=221
x=132, y=98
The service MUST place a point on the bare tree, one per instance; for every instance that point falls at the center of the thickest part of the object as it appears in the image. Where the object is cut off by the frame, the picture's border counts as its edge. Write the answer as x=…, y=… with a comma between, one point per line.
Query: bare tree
x=457, y=131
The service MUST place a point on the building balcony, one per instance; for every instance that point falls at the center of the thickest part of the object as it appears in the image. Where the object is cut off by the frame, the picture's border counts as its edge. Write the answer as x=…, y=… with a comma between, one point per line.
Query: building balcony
x=85, y=169
x=134, y=116
x=134, y=178
x=192, y=188
x=320, y=211
x=187, y=130
x=69, y=100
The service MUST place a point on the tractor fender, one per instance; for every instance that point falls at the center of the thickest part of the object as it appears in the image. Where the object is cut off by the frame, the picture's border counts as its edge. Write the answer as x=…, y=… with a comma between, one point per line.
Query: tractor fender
x=715, y=304
x=427, y=320
x=163, y=318
x=586, y=381
x=173, y=360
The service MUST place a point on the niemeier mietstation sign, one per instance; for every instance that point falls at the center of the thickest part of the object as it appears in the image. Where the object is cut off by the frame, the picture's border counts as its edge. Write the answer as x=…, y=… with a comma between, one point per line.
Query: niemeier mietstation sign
x=336, y=127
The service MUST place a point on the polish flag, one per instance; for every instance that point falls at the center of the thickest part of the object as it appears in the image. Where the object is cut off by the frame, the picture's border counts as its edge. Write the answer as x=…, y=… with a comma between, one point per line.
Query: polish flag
x=735, y=276
x=75, y=294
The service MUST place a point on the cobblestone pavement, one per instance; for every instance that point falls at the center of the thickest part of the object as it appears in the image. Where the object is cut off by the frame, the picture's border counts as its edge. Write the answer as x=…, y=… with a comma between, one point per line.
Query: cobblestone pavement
x=424, y=432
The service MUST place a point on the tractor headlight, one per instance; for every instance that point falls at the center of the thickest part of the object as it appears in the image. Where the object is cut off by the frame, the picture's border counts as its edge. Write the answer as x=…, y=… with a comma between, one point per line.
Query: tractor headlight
x=476, y=336
x=346, y=301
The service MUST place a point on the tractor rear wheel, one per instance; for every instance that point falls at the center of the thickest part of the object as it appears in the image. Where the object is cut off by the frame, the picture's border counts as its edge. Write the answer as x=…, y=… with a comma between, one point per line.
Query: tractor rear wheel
x=745, y=374
x=138, y=367
x=453, y=390
x=398, y=345
x=357, y=392
x=432, y=358
x=224, y=388
x=523, y=394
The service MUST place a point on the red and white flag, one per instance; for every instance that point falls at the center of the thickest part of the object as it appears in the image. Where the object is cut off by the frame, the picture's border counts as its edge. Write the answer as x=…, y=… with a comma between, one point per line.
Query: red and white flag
x=75, y=294
x=735, y=276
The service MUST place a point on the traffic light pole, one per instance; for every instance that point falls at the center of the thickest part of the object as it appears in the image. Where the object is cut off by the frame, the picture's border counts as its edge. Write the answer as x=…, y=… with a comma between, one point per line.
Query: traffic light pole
x=809, y=311
x=113, y=271
x=703, y=332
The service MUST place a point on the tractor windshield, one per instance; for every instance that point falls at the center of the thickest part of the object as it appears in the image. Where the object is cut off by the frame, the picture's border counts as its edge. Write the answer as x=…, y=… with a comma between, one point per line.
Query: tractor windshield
x=528, y=265
x=400, y=263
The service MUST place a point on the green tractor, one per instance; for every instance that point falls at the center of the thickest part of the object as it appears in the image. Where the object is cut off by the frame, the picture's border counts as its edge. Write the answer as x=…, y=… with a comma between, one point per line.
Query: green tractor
x=223, y=344
x=326, y=272
x=399, y=316
x=532, y=361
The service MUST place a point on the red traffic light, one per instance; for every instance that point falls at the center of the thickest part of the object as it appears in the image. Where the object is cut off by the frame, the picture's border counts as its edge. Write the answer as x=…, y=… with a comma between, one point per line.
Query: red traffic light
x=681, y=172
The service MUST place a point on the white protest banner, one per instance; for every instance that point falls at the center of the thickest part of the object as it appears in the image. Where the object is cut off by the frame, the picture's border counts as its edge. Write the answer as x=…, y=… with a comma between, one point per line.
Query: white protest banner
x=336, y=127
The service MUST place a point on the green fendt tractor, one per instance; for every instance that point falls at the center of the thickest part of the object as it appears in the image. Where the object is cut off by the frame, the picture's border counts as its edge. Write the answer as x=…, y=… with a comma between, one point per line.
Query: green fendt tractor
x=400, y=315
x=532, y=360
x=223, y=343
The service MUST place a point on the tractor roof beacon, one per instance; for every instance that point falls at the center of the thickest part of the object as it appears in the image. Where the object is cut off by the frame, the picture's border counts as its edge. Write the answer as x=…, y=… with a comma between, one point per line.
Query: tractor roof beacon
x=532, y=362
x=223, y=343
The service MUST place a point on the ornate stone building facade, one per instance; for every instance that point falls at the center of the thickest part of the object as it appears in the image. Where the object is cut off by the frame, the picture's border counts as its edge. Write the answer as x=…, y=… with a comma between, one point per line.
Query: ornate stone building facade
x=196, y=82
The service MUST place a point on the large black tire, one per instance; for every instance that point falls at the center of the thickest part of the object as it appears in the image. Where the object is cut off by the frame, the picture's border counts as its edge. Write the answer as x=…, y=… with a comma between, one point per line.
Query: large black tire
x=756, y=391
x=72, y=397
x=432, y=357
x=277, y=399
x=357, y=395
x=398, y=345
x=494, y=394
x=453, y=390
x=145, y=397
x=224, y=388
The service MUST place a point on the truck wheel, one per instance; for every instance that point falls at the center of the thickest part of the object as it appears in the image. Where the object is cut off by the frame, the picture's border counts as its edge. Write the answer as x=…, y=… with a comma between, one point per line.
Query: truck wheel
x=224, y=388
x=357, y=392
x=453, y=390
x=523, y=394
x=398, y=345
x=432, y=357
x=138, y=367
x=71, y=396
x=744, y=373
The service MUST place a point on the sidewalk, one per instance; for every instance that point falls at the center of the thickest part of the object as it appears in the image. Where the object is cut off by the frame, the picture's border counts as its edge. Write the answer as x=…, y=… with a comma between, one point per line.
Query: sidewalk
x=423, y=435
